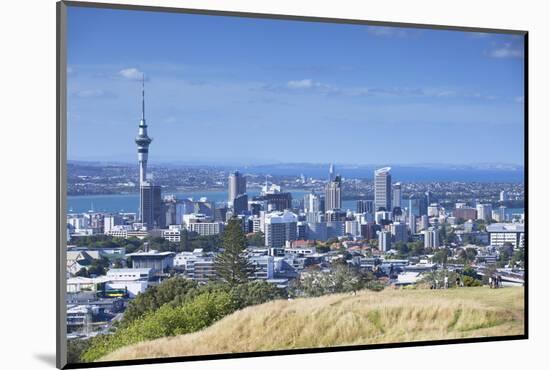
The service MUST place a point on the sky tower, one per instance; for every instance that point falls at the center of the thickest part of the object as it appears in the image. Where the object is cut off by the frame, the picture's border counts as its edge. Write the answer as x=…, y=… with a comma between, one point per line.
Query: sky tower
x=142, y=140
x=150, y=195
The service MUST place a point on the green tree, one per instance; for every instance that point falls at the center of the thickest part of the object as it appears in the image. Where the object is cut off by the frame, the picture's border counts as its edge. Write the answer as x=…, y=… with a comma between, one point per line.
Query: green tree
x=518, y=258
x=441, y=256
x=171, y=290
x=255, y=292
x=231, y=265
x=417, y=248
x=82, y=273
x=75, y=349
x=98, y=267
x=402, y=248
x=257, y=239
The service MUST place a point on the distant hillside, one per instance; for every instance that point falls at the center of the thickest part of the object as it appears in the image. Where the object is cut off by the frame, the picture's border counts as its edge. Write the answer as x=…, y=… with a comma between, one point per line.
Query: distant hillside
x=366, y=318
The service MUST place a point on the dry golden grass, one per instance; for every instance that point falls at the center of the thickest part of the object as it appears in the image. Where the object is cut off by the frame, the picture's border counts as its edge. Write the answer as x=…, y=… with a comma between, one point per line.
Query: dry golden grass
x=389, y=316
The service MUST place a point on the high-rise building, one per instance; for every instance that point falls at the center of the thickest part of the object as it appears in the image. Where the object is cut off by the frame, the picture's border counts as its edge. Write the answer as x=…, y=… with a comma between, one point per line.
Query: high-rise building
x=335, y=229
x=280, y=227
x=412, y=216
x=397, y=195
x=382, y=189
x=333, y=194
x=365, y=206
x=301, y=230
x=501, y=214
x=317, y=231
x=431, y=238
x=352, y=228
x=151, y=206
x=368, y=230
x=484, y=212
x=384, y=240
x=335, y=215
x=465, y=213
x=433, y=210
x=236, y=186
x=170, y=210
x=240, y=204
x=424, y=222
x=276, y=201
x=399, y=232
x=412, y=223
x=331, y=173
x=425, y=200
x=110, y=221
x=312, y=203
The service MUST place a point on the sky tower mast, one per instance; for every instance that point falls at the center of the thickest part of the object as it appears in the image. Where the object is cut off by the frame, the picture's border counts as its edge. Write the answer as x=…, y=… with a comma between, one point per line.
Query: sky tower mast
x=142, y=140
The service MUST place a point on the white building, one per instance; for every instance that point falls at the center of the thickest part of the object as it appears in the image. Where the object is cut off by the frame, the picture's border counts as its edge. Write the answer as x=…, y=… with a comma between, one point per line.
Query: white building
x=172, y=234
x=424, y=222
x=381, y=215
x=431, y=238
x=264, y=267
x=501, y=234
x=119, y=231
x=206, y=228
x=382, y=189
x=352, y=228
x=134, y=281
x=279, y=228
x=484, y=212
x=110, y=221
x=433, y=210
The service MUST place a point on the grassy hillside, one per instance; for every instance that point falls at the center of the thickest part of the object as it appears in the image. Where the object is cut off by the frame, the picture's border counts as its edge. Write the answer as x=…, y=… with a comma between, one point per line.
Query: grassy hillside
x=344, y=319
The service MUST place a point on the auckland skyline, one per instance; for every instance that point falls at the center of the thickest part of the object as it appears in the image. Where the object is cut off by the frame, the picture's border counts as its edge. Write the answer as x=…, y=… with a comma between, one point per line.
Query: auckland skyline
x=218, y=90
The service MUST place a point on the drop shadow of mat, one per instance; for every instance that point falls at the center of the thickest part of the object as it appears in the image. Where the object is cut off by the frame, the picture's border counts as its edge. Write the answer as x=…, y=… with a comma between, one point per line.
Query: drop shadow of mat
x=47, y=358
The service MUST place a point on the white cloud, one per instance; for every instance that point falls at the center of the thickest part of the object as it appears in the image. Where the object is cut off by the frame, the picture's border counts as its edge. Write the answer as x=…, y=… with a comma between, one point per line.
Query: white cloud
x=92, y=93
x=312, y=86
x=131, y=73
x=383, y=31
x=309, y=84
x=300, y=84
x=507, y=51
x=479, y=35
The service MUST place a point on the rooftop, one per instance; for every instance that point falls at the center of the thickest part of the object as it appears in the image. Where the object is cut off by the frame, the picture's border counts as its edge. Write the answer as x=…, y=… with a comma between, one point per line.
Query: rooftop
x=501, y=227
x=280, y=217
x=152, y=253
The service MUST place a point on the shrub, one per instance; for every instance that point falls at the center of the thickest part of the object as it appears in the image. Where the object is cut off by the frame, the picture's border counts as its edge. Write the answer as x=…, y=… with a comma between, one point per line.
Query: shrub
x=470, y=281
x=75, y=349
x=194, y=315
x=170, y=290
x=256, y=292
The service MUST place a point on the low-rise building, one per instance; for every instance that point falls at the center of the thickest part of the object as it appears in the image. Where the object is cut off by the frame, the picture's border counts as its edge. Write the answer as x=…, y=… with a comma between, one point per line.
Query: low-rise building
x=158, y=262
x=502, y=233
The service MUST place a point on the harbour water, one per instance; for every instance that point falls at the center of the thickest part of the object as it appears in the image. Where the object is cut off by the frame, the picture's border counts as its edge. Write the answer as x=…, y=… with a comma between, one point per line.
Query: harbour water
x=130, y=202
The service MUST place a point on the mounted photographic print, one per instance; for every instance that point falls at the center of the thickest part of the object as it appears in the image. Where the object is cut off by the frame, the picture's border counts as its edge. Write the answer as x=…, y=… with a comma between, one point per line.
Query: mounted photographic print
x=235, y=184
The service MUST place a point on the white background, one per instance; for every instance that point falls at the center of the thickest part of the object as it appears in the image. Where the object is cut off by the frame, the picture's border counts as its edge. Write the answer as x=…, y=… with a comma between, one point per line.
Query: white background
x=27, y=207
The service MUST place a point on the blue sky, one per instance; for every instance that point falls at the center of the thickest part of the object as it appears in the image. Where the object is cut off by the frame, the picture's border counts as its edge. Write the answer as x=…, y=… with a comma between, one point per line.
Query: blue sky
x=225, y=89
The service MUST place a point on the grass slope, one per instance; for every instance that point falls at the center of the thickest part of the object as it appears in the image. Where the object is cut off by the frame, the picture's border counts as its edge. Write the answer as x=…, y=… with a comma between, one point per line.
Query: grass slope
x=341, y=319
